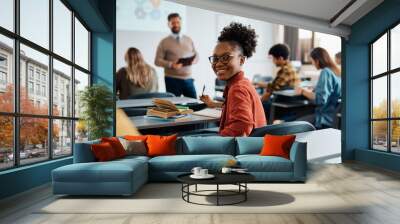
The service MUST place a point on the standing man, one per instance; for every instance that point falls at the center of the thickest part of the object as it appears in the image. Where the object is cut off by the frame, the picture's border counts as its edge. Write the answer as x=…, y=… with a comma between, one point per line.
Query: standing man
x=172, y=48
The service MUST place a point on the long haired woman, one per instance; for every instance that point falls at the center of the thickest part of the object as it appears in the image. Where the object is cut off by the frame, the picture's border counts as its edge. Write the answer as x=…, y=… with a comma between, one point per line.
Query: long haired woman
x=327, y=92
x=136, y=77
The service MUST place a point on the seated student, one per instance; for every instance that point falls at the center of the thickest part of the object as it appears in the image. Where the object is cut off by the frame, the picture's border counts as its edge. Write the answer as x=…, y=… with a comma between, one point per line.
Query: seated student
x=286, y=77
x=327, y=91
x=137, y=77
x=242, y=110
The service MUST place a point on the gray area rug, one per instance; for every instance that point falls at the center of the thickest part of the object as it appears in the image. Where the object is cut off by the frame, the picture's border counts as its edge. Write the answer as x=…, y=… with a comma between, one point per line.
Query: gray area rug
x=166, y=198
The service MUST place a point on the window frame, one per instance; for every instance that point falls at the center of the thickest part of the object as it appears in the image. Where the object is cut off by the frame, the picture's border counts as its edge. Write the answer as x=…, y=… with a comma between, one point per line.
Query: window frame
x=16, y=114
x=388, y=74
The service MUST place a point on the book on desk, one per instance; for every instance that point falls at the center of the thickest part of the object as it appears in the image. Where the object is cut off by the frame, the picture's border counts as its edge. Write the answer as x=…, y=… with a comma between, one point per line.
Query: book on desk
x=166, y=109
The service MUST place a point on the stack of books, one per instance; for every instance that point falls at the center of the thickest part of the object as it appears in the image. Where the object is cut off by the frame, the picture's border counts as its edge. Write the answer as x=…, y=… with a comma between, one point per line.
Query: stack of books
x=166, y=109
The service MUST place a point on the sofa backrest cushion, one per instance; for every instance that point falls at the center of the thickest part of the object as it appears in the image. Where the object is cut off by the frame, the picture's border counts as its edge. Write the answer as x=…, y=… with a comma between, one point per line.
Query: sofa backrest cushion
x=249, y=145
x=104, y=151
x=206, y=145
x=83, y=152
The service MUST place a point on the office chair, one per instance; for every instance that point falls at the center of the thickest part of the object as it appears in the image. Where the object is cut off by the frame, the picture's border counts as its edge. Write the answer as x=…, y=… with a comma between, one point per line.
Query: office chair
x=338, y=115
x=219, y=87
x=286, y=128
x=132, y=111
x=151, y=95
x=260, y=78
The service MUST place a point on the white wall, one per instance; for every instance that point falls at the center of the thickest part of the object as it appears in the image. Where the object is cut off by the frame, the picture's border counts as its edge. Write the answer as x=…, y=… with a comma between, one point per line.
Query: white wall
x=203, y=27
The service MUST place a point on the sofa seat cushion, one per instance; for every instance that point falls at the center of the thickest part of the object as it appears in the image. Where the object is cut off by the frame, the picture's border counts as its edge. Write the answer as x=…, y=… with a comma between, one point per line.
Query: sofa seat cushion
x=257, y=163
x=185, y=163
x=133, y=158
x=113, y=171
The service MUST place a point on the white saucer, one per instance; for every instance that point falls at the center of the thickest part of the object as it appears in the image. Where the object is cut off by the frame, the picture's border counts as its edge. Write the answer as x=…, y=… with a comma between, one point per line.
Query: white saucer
x=208, y=176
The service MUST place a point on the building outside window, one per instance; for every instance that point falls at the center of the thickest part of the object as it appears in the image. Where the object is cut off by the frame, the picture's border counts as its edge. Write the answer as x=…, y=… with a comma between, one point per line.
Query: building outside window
x=3, y=61
x=38, y=89
x=3, y=78
x=44, y=77
x=30, y=87
x=3, y=71
x=30, y=72
x=37, y=74
x=43, y=90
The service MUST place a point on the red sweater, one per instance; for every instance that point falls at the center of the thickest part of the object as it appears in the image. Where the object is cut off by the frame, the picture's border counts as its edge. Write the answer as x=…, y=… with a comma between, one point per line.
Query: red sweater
x=242, y=110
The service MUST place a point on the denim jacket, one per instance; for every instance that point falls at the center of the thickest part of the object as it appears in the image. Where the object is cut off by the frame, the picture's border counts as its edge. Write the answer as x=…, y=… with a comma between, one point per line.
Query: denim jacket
x=327, y=94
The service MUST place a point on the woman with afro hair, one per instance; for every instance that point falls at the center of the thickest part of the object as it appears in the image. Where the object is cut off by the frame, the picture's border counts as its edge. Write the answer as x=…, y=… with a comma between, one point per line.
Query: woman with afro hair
x=242, y=110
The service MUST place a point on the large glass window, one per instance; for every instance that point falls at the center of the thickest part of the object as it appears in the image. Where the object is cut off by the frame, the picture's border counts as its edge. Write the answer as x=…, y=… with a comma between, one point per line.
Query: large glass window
x=379, y=56
x=385, y=94
x=81, y=81
x=7, y=14
x=46, y=78
x=35, y=21
x=40, y=62
x=6, y=142
x=62, y=91
x=62, y=29
x=307, y=40
x=6, y=74
x=62, y=137
x=81, y=45
x=33, y=140
x=395, y=47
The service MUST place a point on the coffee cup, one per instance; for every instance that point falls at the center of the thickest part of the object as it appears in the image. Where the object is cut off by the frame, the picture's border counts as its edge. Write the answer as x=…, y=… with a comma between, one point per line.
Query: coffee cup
x=203, y=172
x=226, y=170
x=196, y=171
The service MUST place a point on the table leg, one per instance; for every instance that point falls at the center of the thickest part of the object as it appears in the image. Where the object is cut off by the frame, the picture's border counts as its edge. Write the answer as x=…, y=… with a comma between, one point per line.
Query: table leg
x=245, y=193
x=188, y=192
x=182, y=190
x=217, y=194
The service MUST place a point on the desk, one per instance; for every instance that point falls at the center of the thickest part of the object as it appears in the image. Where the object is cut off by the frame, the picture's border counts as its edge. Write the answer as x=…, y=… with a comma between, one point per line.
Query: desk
x=288, y=101
x=149, y=125
x=149, y=102
x=289, y=93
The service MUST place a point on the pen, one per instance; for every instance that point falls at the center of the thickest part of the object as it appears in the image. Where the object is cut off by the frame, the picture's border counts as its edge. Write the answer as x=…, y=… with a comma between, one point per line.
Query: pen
x=204, y=87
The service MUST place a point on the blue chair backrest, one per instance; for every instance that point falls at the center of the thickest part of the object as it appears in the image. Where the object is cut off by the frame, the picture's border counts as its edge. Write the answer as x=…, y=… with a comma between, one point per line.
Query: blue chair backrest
x=286, y=128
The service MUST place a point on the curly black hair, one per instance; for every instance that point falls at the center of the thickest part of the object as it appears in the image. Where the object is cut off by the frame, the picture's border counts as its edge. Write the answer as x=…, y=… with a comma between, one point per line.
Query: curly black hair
x=243, y=36
x=280, y=50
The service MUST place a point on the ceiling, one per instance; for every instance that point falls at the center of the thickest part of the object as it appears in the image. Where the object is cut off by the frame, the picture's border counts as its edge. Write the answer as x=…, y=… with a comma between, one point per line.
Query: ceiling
x=316, y=15
x=320, y=9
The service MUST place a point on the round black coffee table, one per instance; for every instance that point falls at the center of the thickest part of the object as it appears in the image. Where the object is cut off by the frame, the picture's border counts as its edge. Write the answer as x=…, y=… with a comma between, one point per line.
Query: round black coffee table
x=238, y=179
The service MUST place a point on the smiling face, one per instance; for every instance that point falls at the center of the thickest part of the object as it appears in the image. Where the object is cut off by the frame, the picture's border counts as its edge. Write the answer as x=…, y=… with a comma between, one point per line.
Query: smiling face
x=175, y=25
x=230, y=67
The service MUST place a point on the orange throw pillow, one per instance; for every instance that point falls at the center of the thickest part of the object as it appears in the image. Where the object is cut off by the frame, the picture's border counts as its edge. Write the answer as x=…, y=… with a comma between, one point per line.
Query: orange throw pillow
x=103, y=152
x=116, y=145
x=161, y=145
x=136, y=137
x=277, y=145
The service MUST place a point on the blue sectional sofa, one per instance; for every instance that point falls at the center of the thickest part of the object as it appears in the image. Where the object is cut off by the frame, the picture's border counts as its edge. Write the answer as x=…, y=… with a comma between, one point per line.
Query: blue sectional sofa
x=125, y=176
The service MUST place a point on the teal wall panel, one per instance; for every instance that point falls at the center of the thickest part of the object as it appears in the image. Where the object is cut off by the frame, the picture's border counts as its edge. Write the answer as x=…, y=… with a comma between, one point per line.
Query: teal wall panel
x=24, y=178
x=356, y=97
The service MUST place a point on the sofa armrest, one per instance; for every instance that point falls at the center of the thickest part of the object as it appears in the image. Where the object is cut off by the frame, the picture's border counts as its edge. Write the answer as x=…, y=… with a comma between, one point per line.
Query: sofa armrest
x=298, y=155
x=83, y=152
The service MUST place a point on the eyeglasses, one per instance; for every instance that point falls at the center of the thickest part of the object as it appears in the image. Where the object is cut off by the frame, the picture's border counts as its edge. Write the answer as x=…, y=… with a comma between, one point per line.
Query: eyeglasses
x=223, y=59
